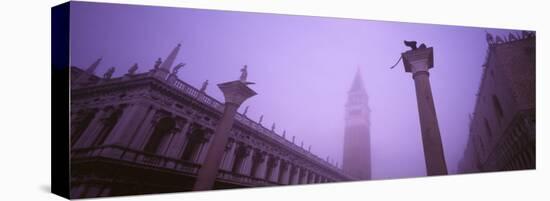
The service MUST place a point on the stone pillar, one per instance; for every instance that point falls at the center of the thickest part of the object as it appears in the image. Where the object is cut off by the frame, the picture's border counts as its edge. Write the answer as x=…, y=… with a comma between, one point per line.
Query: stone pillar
x=144, y=130
x=262, y=168
x=300, y=176
x=229, y=156
x=91, y=132
x=275, y=171
x=247, y=162
x=127, y=124
x=235, y=94
x=296, y=179
x=418, y=62
x=175, y=148
x=291, y=173
x=305, y=176
x=203, y=148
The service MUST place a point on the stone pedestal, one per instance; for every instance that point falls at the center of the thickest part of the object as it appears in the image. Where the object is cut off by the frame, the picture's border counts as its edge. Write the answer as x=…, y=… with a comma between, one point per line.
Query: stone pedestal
x=235, y=94
x=418, y=62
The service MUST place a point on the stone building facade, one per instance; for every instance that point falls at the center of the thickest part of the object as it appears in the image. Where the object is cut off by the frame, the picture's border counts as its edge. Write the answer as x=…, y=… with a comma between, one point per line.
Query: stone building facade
x=502, y=127
x=357, y=149
x=149, y=133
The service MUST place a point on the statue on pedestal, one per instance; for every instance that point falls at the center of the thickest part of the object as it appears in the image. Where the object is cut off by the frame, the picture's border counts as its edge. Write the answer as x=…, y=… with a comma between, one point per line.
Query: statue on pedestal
x=177, y=68
x=157, y=63
x=133, y=69
x=109, y=73
x=204, y=85
x=244, y=74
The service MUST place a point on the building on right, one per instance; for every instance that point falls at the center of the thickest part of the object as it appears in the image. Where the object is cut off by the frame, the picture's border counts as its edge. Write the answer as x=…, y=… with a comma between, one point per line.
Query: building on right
x=502, y=127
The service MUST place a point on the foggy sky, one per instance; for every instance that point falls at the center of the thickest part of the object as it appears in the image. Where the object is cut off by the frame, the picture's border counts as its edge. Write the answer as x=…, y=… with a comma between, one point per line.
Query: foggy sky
x=303, y=67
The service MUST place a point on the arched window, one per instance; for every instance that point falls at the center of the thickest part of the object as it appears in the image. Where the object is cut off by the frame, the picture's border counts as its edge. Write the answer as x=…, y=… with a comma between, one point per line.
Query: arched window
x=108, y=125
x=497, y=106
x=196, y=138
x=161, y=135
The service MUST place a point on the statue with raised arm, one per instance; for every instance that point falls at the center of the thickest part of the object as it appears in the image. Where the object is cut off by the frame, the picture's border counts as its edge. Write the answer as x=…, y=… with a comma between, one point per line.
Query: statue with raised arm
x=109, y=73
x=244, y=74
x=177, y=68
x=204, y=85
x=133, y=69
x=157, y=63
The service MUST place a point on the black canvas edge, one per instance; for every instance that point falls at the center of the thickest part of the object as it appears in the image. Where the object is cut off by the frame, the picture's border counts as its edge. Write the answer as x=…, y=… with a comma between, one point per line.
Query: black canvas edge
x=60, y=69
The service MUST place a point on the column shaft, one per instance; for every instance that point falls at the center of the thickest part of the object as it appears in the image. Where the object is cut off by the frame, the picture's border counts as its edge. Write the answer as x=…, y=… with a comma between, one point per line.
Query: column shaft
x=431, y=138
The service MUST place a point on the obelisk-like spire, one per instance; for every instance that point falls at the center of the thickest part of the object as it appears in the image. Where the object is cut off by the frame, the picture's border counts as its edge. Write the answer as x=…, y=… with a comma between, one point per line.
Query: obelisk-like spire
x=169, y=61
x=94, y=65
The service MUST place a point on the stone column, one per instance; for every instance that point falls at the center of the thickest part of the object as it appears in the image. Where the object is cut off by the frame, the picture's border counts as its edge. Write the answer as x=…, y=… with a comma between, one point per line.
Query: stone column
x=418, y=61
x=175, y=148
x=127, y=124
x=144, y=130
x=284, y=169
x=235, y=93
x=204, y=147
x=262, y=168
x=275, y=171
x=229, y=157
x=294, y=175
x=304, y=176
x=247, y=162
x=91, y=131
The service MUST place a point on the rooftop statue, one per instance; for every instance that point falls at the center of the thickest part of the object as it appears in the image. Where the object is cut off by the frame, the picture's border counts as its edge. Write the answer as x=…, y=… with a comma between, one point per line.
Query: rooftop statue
x=412, y=45
x=204, y=85
x=178, y=67
x=261, y=119
x=244, y=74
x=157, y=63
x=109, y=73
x=133, y=69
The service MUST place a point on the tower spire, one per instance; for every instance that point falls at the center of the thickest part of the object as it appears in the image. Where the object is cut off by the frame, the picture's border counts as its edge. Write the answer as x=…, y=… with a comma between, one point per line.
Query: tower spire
x=357, y=84
x=356, y=155
x=91, y=68
x=169, y=61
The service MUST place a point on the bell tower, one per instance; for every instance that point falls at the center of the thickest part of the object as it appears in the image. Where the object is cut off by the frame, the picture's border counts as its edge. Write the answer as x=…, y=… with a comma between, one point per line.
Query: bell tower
x=357, y=131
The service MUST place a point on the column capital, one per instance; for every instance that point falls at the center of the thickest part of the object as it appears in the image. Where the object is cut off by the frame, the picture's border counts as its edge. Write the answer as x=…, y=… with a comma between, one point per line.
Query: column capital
x=416, y=60
x=236, y=92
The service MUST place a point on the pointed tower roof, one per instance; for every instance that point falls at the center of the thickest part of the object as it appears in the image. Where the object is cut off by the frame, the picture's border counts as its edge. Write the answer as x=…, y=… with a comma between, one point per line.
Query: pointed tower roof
x=357, y=84
x=91, y=68
x=169, y=61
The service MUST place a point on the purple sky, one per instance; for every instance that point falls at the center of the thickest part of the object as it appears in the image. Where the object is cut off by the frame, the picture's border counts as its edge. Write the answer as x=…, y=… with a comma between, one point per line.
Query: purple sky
x=303, y=67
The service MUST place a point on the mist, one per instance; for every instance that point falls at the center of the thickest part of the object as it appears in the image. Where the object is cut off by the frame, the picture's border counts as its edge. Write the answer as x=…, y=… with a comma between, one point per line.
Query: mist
x=303, y=67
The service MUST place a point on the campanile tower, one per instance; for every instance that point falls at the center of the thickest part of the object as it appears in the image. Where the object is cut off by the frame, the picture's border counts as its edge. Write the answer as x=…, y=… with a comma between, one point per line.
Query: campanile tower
x=357, y=131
